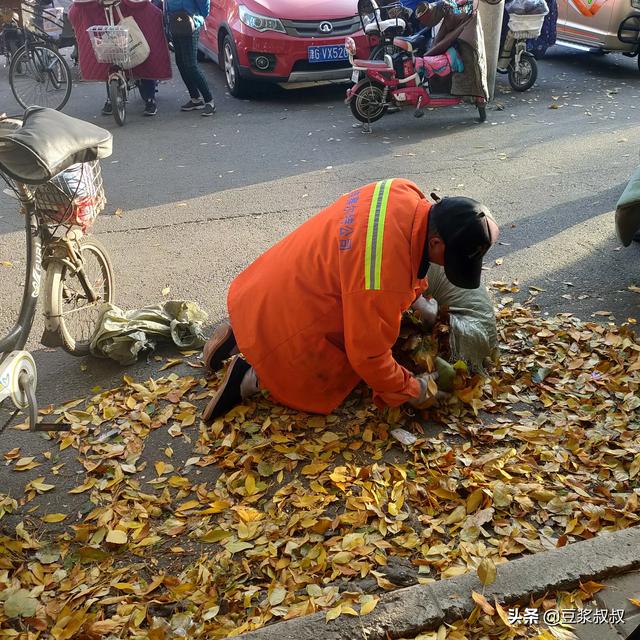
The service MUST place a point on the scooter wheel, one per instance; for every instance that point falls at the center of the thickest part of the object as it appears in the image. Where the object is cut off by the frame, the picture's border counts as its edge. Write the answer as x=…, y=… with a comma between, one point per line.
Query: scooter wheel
x=367, y=103
x=482, y=113
x=525, y=77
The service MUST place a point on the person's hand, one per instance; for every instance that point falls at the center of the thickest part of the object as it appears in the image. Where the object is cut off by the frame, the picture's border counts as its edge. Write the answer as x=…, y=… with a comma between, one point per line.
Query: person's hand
x=428, y=390
x=426, y=310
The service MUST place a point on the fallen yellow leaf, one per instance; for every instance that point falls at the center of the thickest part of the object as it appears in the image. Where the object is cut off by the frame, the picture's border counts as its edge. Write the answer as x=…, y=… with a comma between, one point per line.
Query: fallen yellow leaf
x=117, y=536
x=53, y=517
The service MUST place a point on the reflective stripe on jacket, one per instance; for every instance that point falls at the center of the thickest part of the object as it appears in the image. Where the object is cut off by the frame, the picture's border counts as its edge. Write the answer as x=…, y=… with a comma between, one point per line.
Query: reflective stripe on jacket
x=321, y=309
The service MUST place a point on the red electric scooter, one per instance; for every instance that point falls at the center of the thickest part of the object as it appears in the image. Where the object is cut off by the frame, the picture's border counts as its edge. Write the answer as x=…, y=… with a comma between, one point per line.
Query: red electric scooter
x=402, y=79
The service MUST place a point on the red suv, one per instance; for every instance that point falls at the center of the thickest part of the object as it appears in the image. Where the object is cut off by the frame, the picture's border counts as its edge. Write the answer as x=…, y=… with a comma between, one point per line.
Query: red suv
x=283, y=41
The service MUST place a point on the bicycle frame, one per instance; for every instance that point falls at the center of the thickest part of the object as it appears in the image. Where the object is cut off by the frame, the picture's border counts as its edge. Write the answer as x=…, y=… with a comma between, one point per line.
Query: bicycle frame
x=42, y=248
x=17, y=337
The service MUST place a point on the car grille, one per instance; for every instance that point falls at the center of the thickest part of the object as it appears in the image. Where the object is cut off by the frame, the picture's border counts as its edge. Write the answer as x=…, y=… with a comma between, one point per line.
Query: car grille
x=311, y=28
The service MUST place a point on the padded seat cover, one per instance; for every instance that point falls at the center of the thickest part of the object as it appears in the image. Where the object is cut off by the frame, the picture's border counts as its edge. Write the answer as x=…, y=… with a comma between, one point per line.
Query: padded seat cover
x=49, y=142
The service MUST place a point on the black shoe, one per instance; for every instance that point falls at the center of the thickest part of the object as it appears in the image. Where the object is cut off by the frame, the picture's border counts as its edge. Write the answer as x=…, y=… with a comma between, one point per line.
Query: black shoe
x=228, y=395
x=150, y=108
x=220, y=346
x=209, y=109
x=192, y=105
x=107, y=110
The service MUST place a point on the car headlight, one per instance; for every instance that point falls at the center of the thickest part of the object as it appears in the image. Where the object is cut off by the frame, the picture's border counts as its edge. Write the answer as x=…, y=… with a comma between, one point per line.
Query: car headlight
x=258, y=22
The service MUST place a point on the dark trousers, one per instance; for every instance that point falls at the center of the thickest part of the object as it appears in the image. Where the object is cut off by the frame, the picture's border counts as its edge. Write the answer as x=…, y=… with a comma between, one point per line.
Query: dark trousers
x=147, y=89
x=186, y=50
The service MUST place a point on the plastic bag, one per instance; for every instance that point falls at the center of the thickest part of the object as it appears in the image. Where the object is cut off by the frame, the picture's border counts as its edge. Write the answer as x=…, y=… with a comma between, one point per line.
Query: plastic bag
x=526, y=7
x=472, y=320
x=74, y=196
x=124, y=335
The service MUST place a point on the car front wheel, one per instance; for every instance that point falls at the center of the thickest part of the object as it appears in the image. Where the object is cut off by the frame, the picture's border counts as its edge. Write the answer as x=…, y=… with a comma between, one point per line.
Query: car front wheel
x=238, y=87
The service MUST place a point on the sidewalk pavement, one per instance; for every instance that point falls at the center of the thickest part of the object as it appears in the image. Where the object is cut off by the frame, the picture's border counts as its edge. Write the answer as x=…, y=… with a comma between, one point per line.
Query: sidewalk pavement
x=615, y=597
x=405, y=613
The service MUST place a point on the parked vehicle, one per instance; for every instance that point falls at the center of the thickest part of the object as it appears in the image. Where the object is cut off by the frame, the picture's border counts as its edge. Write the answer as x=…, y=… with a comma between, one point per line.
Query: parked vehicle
x=31, y=37
x=600, y=26
x=404, y=79
x=280, y=41
x=50, y=162
x=111, y=46
x=382, y=22
x=519, y=64
x=628, y=211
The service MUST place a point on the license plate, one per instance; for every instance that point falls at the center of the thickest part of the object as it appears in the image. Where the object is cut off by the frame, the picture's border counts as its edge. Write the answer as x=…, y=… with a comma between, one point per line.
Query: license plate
x=327, y=53
x=355, y=76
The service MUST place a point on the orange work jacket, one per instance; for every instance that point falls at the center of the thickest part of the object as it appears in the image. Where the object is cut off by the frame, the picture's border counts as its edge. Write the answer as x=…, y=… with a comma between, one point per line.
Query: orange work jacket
x=321, y=309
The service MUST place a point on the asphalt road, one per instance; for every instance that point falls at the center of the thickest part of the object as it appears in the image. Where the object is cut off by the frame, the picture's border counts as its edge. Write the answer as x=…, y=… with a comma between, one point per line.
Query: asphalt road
x=202, y=197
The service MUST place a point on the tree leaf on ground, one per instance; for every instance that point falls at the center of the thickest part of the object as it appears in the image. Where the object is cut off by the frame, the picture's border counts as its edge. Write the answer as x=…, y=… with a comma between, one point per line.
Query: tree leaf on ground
x=487, y=572
x=20, y=605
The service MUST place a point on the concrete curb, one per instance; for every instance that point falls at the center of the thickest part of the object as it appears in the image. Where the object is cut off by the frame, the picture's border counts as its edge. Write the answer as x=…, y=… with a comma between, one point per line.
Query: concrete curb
x=408, y=612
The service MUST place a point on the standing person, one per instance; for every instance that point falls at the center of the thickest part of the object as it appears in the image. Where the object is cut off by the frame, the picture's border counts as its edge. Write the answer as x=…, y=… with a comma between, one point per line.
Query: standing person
x=186, y=18
x=321, y=309
x=547, y=37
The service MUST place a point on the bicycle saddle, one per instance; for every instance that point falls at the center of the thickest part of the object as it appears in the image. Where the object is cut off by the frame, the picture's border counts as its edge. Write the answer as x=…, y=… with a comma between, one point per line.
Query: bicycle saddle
x=49, y=142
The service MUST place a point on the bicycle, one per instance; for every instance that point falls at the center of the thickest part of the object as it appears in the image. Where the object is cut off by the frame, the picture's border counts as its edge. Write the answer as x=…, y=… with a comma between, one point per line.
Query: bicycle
x=50, y=162
x=112, y=45
x=38, y=73
x=519, y=64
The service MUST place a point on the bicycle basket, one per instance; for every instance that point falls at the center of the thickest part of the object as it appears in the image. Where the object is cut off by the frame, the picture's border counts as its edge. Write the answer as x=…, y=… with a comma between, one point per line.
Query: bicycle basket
x=526, y=26
x=74, y=197
x=111, y=44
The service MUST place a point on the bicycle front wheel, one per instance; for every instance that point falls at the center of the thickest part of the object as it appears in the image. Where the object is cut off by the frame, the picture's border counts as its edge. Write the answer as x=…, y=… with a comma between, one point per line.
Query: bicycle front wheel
x=68, y=300
x=118, y=97
x=40, y=76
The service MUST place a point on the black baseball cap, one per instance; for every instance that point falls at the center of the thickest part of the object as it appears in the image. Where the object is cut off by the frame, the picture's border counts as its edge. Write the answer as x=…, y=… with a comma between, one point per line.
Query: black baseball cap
x=463, y=225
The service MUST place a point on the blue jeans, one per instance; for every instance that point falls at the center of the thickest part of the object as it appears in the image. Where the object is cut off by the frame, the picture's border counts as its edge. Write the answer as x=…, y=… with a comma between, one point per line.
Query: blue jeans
x=186, y=50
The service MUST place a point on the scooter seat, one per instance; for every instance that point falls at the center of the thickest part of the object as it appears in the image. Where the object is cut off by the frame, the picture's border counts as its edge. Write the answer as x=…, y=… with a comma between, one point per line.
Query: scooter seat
x=50, y=142
x=383, y=26
x=378, y=65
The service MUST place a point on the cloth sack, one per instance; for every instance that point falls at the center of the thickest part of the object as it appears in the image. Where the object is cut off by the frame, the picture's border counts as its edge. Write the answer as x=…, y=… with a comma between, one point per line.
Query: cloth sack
x=124, y=335
x=472, y=319
x=137, y=44
x=628, y=210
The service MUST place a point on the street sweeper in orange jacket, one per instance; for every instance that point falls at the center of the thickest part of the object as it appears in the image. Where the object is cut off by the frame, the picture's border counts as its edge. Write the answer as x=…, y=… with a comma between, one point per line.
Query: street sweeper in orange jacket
x=321, y=310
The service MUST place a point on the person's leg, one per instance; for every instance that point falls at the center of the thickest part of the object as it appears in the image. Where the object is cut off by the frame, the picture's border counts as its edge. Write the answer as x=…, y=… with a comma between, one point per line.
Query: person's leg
x=182, y=49
x=107, y=109
x=221, y=346
x=147, y=89
x=198, y=77
x=240, y=383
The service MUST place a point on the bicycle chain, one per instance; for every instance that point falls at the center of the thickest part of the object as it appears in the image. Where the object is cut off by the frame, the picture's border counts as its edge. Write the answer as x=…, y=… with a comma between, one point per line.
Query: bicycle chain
x=8, y=422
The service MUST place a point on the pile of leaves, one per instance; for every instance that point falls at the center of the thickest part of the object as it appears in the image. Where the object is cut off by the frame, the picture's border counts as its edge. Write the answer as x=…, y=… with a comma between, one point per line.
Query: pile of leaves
x=276, y=514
